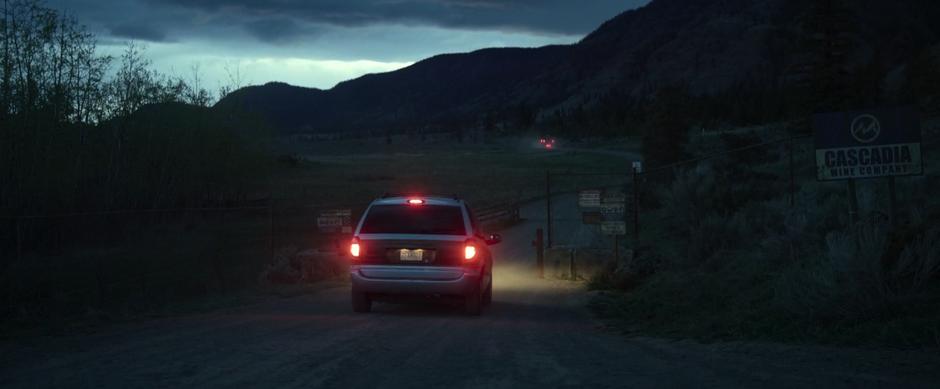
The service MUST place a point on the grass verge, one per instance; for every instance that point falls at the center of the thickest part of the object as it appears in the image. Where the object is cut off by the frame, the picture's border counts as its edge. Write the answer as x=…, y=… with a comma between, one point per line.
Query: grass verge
x=723, y=255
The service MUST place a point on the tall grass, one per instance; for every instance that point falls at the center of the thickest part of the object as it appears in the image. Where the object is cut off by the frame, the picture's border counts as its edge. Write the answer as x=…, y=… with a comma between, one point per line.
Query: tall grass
x=724, y=253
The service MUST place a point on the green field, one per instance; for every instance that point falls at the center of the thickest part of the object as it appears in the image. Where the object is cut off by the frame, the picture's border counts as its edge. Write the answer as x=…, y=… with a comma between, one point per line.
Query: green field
x=483, y=174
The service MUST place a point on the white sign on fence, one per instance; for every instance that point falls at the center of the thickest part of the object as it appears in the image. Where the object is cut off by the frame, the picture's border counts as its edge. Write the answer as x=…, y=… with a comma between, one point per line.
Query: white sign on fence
x=613, y=209
x=590, y=198
x=335, y=220
x=614, y=228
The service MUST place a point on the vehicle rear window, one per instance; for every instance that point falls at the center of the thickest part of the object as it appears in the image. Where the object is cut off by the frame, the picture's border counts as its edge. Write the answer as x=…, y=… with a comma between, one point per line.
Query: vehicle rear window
x=406, y=219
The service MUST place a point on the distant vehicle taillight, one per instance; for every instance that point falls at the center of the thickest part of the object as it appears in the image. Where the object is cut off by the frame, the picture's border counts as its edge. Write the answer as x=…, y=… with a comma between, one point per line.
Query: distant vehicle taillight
x=542, y=141
x=469, y=252
x=354, y=248
x=415, y=202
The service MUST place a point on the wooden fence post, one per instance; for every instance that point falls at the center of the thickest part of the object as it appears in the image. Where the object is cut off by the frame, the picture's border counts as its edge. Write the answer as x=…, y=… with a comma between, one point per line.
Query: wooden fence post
x=572, y=268
x=539, y=253
x=548, y=208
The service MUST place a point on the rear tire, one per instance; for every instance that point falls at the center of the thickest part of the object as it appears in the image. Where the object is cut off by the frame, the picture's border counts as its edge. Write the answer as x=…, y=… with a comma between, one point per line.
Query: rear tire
x=361, y=303
x=473, y=302
x=488, y=295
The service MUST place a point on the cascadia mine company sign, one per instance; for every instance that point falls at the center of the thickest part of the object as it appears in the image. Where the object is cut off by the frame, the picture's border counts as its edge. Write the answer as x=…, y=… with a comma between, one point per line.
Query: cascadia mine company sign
x=866, y=144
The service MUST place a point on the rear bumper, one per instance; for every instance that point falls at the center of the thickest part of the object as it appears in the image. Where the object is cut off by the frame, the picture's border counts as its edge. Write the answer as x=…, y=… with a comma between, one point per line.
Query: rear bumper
x=393, y=280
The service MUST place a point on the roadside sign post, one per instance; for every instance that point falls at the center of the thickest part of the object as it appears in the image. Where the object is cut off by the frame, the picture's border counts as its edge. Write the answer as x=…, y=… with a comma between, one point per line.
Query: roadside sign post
x=853, y=202
x=616, y=250
x=868, y=144
x=539, y=253
x=572, y=269
x=893, y=202
x=548, y=207
x=637, y=169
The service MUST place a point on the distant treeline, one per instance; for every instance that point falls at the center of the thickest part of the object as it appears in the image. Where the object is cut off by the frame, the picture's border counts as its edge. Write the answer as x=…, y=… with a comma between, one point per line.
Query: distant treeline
x=81, y=131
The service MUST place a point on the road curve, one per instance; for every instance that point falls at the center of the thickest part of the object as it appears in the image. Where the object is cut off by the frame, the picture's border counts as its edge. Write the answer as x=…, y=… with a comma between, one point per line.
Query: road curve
x=537, y=333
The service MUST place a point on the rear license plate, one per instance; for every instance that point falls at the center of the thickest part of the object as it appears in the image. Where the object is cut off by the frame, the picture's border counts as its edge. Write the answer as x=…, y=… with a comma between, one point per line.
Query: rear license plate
x=406, y=255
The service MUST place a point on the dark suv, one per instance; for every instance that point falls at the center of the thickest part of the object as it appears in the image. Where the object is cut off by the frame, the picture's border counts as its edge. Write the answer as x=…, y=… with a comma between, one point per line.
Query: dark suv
x=421, y=246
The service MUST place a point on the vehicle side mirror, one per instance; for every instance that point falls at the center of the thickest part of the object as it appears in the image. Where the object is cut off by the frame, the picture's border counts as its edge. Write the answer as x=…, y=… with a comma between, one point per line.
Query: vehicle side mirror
x=494, y=239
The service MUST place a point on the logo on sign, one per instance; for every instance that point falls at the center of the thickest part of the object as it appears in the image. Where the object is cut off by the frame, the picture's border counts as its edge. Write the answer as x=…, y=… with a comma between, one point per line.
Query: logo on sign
x=866, y=128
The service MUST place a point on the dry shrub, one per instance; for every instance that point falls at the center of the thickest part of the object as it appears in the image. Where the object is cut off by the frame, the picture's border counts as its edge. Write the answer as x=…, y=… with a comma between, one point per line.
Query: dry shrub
x=852, y=279
x=690, y=197
x=918, y=263
x=293, y=266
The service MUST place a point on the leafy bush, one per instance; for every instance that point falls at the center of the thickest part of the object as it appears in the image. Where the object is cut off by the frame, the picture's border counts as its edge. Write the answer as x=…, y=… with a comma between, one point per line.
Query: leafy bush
x=843, y=282
x=724, y=252
x=918, y=264
x=293, y=266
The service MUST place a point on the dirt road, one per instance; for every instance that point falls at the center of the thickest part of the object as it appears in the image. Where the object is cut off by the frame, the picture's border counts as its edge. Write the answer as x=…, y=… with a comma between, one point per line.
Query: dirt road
x=536, y=334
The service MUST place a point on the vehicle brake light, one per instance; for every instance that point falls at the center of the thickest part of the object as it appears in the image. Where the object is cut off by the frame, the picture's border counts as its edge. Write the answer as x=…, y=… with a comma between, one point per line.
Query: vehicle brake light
x=415, y=202
x=354, y=248
x=469, y=252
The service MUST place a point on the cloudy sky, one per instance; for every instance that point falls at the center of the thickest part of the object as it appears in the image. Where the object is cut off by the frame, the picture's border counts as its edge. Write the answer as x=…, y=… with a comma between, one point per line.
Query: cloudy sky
x=317, y=43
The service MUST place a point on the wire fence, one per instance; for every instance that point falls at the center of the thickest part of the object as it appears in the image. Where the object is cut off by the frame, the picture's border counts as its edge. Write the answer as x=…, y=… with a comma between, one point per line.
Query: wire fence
x=129, y=260
x=702, y=207
x=140, y=259
x=744, y=185
x=69, y=264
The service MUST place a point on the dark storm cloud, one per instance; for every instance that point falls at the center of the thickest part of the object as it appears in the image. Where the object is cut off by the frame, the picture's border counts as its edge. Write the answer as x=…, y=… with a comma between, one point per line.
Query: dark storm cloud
x=275, y=30
x=142, y=32
x=281, y=21
x=537, y=16
x=321, y=42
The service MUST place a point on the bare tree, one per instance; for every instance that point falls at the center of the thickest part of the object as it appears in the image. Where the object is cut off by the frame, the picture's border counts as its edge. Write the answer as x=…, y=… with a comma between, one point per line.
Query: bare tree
x=235, y=81
x=194, y=92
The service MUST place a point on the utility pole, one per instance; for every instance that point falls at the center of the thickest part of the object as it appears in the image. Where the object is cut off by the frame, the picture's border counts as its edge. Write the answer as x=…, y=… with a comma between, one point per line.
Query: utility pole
x=853, y=202
x=636, y=203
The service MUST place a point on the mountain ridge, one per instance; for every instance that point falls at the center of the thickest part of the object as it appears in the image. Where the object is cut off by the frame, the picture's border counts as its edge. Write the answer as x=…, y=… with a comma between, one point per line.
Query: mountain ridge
x=707, y=45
